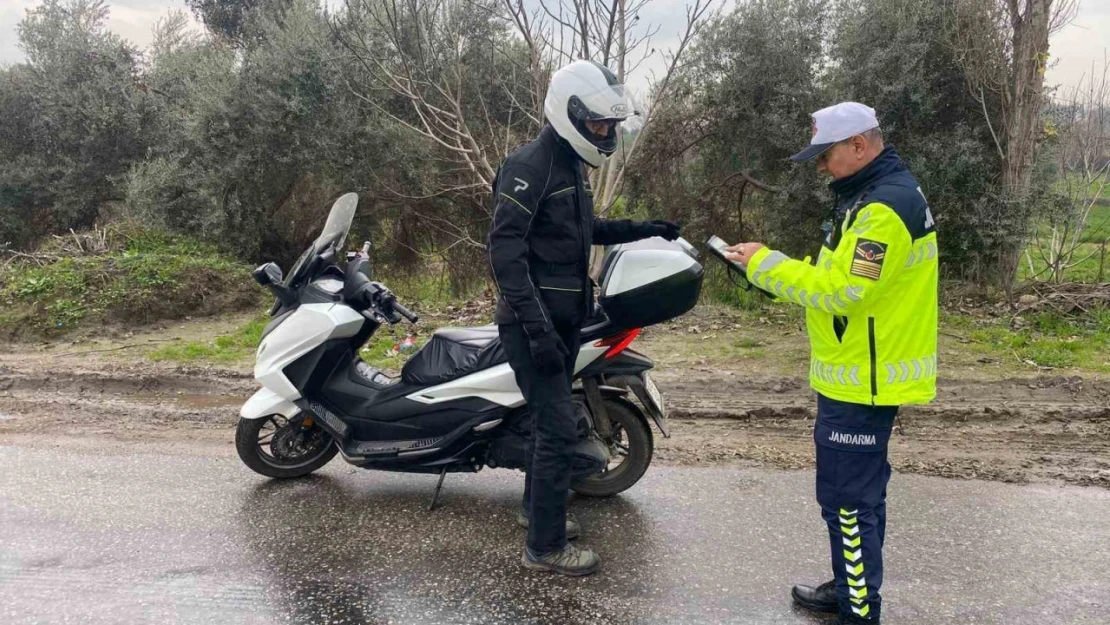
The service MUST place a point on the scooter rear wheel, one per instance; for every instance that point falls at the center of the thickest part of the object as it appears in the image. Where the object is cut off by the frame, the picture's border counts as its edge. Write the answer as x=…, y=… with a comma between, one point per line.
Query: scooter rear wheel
x=632, y=446
x=282, y=448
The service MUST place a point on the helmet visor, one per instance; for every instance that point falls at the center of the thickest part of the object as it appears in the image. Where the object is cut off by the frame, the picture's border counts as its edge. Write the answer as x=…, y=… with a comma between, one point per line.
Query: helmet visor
x=611, y=102
x=604, y=109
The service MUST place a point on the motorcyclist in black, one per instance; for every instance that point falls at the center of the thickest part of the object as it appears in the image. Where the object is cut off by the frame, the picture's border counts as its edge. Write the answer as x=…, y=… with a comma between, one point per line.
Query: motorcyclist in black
x=539, y=247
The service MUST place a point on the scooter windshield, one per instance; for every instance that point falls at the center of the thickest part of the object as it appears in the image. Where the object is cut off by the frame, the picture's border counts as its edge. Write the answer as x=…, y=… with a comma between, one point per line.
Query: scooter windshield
x=339, y=222
x=334, y=235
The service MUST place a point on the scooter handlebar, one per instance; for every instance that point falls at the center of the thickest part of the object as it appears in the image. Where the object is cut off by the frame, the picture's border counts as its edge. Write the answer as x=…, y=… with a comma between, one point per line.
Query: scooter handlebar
x=405, y=312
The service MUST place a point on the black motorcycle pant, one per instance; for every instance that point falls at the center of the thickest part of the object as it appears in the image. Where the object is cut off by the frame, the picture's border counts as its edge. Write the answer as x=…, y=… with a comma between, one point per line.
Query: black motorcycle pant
x=554, y=434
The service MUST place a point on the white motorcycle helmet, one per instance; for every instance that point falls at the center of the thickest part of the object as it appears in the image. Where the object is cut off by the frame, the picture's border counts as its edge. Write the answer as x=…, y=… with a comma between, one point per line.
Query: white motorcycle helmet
x=582, y=91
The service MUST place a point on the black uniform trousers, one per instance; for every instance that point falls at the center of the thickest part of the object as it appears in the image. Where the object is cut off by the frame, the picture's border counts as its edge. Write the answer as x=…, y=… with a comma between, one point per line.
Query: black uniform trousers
x=554, y=434
x=852, y=475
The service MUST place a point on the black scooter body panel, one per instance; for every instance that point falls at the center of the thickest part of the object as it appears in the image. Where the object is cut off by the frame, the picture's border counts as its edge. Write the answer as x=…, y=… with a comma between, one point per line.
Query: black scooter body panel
x=377, y=413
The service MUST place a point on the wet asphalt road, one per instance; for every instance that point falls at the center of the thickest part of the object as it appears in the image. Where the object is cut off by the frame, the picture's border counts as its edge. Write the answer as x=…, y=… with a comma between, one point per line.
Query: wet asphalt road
x=128, y=537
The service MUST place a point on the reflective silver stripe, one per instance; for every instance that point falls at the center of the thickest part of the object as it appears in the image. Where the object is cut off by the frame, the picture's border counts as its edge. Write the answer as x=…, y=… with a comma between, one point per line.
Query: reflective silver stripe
x=815, y=301
x=911, y=370
x=911, y=259
x=767, y=284
x=932, y=249
x=802, y=297
x=790, y=293
x=755, y=277
x=772, y=260
x=855, y=293
x=828, y=303
x=833, y=374
x=839, y=302
x=778, y=289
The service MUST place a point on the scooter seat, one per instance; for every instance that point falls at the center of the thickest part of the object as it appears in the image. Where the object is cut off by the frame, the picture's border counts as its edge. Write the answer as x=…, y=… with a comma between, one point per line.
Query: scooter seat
x=478, y=336
x=453, y=353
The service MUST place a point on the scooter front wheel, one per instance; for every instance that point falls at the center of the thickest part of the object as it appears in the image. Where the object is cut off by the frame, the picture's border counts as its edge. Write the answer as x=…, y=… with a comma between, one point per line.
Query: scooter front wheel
x=631, y=447
x=283, y=448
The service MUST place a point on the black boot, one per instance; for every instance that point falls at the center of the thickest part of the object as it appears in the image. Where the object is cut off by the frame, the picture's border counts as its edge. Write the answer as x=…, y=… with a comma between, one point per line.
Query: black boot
x=821, y=599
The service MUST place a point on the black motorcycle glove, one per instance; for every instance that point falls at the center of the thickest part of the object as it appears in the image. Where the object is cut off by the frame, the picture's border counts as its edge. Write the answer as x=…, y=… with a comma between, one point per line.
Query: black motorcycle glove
x=658, y=228
x=548, y=353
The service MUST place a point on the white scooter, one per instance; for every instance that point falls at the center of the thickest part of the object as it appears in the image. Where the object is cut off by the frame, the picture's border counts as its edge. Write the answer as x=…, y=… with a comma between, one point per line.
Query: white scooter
x=456, y=405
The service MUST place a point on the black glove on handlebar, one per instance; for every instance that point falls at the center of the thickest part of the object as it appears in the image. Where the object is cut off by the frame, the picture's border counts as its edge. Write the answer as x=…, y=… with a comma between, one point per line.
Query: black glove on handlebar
x=548, y=353
x=658, y=228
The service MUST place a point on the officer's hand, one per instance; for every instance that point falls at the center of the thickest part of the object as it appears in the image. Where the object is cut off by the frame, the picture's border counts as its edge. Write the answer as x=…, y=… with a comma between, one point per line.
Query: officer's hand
x=660, y=228
x=548, y=353
x=743, y=252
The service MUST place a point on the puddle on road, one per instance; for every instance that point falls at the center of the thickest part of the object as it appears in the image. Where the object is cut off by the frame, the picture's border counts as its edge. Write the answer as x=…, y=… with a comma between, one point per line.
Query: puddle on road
x=190, y=400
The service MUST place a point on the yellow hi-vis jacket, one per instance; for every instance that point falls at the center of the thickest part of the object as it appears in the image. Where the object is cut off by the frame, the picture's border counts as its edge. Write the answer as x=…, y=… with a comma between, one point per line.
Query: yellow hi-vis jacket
x=871, y=299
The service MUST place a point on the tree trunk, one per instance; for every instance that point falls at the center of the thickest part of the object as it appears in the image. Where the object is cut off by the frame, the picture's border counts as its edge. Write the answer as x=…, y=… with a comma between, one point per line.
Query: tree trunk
x=622, y=43
x=1024, y=130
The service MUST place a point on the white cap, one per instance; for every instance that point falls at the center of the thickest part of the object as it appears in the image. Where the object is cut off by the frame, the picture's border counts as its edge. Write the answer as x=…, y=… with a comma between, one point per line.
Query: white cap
x=837, y=123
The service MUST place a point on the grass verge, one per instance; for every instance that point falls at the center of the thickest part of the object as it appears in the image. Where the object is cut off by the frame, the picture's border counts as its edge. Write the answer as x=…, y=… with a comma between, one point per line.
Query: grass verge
x=143, y=277
x=228, y=348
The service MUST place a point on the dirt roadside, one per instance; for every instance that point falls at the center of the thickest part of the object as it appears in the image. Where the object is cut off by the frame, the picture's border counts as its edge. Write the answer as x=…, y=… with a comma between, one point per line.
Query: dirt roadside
x=1046, y=428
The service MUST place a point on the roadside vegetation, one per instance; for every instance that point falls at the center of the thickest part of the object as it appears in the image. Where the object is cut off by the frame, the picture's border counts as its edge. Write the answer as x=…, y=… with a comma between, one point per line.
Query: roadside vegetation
x=123, y=276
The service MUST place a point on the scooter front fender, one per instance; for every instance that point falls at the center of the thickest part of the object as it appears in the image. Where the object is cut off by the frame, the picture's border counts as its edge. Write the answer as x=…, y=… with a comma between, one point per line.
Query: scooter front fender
x=265, y=403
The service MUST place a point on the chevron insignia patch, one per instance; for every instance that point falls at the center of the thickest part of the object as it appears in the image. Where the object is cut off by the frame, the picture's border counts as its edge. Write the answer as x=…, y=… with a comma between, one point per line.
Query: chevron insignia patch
x=867, y=262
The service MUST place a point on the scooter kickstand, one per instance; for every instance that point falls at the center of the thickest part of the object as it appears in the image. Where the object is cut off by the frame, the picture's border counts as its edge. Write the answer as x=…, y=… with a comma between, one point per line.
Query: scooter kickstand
x=439, y=487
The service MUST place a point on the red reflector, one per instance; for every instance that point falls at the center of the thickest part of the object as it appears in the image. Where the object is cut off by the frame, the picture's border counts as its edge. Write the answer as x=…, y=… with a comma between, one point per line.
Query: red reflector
x=618, y=342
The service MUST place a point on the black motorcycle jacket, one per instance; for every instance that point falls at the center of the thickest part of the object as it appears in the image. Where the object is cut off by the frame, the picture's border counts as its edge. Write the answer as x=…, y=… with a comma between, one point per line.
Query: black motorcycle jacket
x=543, y=227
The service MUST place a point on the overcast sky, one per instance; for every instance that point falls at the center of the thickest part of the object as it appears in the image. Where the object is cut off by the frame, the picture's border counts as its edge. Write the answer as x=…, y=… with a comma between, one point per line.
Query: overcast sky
x=1074, y=49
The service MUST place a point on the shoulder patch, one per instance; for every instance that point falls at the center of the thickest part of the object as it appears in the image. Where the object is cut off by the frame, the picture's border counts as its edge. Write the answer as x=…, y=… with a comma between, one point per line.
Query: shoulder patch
x=867, y=259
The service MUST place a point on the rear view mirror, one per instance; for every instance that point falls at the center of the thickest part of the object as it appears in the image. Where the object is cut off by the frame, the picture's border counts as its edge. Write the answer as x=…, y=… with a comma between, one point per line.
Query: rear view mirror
x=268, y=274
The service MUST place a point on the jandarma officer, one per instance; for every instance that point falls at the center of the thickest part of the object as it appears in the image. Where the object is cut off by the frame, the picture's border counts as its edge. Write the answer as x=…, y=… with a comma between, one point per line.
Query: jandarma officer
x=871, y=316
x=543, y=227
